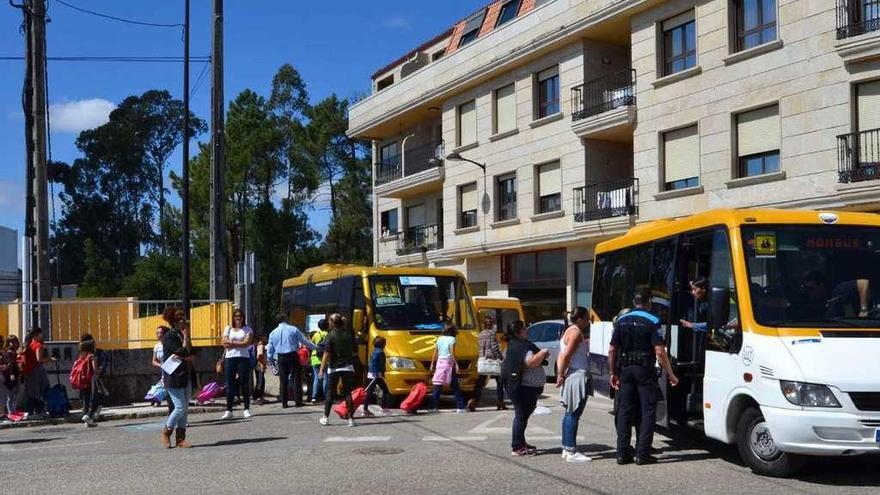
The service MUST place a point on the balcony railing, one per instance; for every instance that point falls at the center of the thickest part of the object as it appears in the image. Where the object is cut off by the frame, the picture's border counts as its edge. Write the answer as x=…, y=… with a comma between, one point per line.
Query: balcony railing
x=603, y=94
x=857, y=17
x=419, y=238
x=858, y=156
x=414, y=160
x=611, y=199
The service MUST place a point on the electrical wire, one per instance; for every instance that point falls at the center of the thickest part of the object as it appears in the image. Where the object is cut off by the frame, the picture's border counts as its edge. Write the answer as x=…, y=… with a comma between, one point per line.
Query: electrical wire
x=118, y=19
x=199, y=79
x=115, y=59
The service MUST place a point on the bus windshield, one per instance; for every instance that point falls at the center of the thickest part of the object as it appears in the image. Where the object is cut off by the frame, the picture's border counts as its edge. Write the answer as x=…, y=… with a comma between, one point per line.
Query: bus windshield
x=420, y=303
x=807, y=276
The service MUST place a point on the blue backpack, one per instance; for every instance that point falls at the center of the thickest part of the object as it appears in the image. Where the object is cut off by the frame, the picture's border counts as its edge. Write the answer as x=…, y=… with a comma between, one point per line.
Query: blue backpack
x=57, y=404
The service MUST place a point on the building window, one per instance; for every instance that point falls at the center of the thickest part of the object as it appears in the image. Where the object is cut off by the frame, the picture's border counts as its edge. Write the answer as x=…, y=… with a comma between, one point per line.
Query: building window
x=505, y=109
x=679, y=43
x=467, y=123
x=583, y=283
x=548, y=92
x=384, y=83
x=467, y=205
x=389, y=222
x=868, y=104
x=681, y=158
x=472, y=27
x=549, y=178
x=438, y=55
x=508, y=12
x=506, y=194
x=758, y=141
x=389, y=154
x=755, y=23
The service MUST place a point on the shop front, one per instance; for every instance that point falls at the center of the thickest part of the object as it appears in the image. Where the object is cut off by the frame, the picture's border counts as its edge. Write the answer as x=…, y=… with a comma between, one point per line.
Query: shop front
x=538, y=279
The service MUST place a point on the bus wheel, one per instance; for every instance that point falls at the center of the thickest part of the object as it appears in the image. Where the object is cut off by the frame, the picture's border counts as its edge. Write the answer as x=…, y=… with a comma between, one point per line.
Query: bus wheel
x=758, y=450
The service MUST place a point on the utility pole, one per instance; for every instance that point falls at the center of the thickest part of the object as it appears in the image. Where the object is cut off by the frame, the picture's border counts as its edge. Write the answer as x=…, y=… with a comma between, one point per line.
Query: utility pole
x=185, y=172
x=41, y=184
x=219, y=268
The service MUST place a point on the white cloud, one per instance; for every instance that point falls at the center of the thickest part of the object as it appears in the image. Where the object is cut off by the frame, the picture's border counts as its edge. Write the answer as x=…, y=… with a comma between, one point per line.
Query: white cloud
x=396, y=22
x=77, y=116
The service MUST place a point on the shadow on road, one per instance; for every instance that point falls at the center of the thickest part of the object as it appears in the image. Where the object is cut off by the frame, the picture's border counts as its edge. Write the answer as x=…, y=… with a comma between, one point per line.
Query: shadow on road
x=241, y=441
x=28, y=440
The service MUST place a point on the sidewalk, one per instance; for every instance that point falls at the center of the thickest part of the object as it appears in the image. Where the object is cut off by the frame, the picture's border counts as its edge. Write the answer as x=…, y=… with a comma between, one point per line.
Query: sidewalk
x=131, y=411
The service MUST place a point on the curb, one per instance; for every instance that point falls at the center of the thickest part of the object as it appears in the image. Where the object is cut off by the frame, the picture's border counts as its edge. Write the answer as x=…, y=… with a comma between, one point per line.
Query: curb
x=75, y=418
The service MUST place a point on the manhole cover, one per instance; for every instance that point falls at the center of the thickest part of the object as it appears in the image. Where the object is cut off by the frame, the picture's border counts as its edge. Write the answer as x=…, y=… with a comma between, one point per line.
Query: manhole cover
x=379, y=451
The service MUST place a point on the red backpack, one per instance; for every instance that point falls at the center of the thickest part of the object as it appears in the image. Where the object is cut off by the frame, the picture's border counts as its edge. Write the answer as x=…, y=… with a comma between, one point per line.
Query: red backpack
x=82, y=373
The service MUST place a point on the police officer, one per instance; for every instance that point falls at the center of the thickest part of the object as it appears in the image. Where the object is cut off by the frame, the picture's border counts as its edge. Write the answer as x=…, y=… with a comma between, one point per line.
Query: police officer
x=636, y=346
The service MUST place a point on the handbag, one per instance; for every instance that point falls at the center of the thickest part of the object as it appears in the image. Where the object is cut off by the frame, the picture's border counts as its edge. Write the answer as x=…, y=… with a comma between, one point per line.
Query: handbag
x=488, y=367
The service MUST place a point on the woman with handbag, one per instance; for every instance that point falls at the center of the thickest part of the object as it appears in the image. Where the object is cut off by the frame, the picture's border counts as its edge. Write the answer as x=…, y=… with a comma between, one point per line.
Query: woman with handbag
x=523, y=374
x=488, y=365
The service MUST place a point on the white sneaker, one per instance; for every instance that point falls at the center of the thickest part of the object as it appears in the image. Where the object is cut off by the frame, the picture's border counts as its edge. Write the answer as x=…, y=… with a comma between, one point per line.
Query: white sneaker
x=324, y=421
x=576, y=457
x=459, y=411
x=226, y=415
x=85, y=418
x=351, y=423
x=246, y=414
x=91, y=423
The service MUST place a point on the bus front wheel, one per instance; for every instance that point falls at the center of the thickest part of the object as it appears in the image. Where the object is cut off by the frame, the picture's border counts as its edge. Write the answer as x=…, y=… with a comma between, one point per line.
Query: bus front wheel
x=758, y=450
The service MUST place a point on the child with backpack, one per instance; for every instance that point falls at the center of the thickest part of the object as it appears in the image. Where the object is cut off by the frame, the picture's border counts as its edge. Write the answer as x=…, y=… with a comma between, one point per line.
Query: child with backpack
x=318, y=336
x=84, y=377
x=376, y=375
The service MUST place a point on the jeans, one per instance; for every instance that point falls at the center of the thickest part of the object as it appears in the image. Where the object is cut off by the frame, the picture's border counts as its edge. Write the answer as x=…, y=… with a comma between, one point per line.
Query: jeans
x=456, y=390
x=371, y=393
x=180, y=398
x=524, y=400
x=260, y=388
x=481, y=384
x=288, y=365
x=570, y=422
x=91, y=401
x=347, y=379
x=238, y=374
x=638, y=386
x=317, y=383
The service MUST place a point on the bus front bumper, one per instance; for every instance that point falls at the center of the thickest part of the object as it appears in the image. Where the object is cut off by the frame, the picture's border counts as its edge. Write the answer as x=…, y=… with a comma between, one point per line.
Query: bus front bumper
x=822, y=433
x=401, y=382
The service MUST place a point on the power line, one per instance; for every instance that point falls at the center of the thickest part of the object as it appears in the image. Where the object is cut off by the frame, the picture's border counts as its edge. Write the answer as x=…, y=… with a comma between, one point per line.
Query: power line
x=118, y=19
x=115, y=59
x=200, y=78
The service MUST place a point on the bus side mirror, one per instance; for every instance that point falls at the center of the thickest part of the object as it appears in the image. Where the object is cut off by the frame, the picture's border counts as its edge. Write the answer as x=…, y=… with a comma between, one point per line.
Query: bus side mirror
x=357, y=320
x=719, y=307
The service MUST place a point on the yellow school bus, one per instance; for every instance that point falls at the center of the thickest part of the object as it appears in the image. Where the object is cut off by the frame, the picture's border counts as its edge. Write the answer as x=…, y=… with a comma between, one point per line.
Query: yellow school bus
x=406, y=306
x=503, y=309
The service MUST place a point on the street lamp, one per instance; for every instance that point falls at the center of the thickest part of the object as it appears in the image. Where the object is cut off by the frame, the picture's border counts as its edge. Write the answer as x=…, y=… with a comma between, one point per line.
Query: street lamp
x=487, y=205
x=456, y=157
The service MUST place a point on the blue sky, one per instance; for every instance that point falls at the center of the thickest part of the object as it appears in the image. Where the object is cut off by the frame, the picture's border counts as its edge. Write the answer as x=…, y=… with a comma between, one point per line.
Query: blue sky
x=335, y=45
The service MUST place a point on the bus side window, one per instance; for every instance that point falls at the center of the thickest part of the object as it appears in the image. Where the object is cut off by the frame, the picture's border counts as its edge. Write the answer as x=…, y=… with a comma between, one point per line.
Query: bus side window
x=727, y=337
x=662, y=278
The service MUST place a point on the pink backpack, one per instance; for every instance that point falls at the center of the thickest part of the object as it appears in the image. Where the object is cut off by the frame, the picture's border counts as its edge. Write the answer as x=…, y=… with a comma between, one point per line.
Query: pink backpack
x=210, y=392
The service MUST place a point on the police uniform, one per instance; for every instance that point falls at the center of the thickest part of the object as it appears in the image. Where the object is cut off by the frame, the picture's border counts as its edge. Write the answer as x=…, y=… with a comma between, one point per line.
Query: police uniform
x=635, y=335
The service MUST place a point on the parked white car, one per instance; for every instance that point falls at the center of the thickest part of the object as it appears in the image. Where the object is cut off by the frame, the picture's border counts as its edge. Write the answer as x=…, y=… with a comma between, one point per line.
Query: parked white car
x=546, y=335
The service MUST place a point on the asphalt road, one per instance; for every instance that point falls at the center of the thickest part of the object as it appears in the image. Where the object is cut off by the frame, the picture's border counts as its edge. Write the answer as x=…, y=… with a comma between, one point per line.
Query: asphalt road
x=286, y=451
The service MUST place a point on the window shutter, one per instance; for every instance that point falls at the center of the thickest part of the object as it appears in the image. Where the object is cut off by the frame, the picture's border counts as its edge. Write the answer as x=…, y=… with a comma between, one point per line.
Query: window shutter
x=869, y=106
x=415, y=216
x=683, y=18
x=505, y=108
x=682, y=154
x=758, y=131
x=467, y=121
x=468, y=197
x=548, y=73
x=474, y=21
x=549, y=180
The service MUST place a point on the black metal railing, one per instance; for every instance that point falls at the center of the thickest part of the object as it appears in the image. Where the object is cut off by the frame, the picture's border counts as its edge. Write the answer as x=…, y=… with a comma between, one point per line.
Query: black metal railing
x=419, y=238
x=412, y=161
x=858, y=156
x=618, y=198
x=857, y=17
x=603, y=94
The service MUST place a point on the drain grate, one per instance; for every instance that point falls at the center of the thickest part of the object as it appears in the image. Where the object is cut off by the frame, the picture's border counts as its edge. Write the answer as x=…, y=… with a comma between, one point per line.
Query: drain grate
x=379, y=451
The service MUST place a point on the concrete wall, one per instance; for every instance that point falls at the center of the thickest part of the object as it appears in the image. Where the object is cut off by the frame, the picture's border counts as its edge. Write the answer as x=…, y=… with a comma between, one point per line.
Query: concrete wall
x=8, y=250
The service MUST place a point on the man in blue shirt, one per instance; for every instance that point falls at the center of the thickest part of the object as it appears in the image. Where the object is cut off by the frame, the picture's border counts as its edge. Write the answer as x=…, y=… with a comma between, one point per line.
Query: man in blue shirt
x=284, y=342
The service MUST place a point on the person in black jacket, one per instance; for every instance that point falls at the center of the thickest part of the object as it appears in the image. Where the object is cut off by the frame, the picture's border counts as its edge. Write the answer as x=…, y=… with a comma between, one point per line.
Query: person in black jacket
x=178, y=384
x=523, y=359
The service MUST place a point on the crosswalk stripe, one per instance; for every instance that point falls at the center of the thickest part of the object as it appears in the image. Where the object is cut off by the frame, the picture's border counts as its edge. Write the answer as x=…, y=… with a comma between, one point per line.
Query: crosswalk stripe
x=454, y=439
x=356, y=439
x=552, y=437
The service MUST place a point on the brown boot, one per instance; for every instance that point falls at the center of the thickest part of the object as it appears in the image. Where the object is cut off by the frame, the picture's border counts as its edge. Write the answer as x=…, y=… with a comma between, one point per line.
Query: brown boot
x=181, y=442
x=472, y=405
x=499, y=406
x=166, y=438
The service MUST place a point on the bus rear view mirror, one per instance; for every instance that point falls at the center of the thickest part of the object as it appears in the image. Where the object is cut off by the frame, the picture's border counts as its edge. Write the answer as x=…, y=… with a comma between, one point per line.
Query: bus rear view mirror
x=719, y=307
x=357, y=320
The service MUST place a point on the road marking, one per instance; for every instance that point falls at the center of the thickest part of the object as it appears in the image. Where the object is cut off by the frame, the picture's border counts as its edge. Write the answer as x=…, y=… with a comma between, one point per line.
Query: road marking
x=485, y=428
x=454, y=439
x=356, y=439
x=63, y=446
x=551, y=437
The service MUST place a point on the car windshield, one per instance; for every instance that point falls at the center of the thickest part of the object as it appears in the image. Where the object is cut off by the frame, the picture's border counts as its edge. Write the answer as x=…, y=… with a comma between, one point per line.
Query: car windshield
x=420, y=303
x=804, y=276
x=545, y=332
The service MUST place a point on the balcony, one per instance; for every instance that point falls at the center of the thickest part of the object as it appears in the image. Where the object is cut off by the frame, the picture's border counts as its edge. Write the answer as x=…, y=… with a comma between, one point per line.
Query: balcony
x=858, y=29
x=604, y=108
x=419, y=239
x=858, y=156
x=416, y=171
x=613, y=199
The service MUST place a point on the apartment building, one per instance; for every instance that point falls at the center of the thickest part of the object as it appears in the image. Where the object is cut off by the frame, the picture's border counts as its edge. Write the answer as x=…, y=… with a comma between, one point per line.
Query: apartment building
x=512, y=143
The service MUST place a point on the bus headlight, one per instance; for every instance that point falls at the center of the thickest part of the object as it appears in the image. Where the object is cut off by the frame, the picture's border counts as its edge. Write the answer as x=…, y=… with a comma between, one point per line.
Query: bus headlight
x=401, y=363
x=808, y=394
